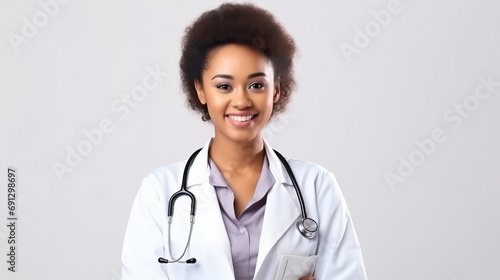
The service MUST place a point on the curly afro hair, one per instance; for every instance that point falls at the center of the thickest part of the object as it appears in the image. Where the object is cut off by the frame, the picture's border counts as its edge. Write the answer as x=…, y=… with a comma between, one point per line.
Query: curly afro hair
x=244, y=24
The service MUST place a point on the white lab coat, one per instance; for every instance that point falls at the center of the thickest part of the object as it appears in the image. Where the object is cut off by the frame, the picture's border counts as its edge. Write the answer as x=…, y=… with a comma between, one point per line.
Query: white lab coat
x=146, y=240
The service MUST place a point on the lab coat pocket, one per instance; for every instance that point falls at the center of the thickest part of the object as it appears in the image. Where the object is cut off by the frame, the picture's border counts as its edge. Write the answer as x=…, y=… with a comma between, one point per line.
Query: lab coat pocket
x=295, y=267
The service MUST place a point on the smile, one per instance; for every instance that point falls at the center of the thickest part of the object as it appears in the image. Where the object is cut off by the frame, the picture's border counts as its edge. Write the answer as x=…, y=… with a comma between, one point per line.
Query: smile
x=241, y=118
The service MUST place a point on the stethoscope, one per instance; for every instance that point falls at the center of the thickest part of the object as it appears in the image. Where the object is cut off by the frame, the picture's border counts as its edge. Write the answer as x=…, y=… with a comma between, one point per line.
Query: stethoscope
x=306, y=226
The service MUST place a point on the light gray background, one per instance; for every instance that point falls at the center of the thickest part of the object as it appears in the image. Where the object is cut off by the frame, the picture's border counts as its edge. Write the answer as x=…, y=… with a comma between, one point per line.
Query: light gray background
x=355, y=118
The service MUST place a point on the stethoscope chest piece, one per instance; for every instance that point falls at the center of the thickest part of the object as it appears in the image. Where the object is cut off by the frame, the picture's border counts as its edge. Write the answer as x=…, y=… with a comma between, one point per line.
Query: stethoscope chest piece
x=307, y=227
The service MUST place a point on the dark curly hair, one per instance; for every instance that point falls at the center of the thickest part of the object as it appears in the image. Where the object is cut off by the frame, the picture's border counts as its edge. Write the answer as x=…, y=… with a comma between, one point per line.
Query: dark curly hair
x=244, y=24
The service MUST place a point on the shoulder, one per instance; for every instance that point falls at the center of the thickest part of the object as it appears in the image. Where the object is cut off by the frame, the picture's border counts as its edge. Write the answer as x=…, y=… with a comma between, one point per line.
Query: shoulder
x=310, y=169
x=166, y=171
x=164, y=178
x=313, y=176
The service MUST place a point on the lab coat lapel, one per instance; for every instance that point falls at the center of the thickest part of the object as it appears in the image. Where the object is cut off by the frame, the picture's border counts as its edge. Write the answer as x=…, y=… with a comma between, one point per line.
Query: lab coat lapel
x=208, y=219
x=282, y=209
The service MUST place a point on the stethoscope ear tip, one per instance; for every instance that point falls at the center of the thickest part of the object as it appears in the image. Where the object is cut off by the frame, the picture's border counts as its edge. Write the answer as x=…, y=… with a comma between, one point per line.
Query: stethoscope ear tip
x=162, y=260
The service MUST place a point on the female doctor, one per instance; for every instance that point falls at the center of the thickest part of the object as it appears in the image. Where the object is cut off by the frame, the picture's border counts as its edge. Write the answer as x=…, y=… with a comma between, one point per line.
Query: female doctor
x=245, y=218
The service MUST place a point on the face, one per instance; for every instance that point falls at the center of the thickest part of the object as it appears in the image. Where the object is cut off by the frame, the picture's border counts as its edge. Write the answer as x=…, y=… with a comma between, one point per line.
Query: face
x=239, y=90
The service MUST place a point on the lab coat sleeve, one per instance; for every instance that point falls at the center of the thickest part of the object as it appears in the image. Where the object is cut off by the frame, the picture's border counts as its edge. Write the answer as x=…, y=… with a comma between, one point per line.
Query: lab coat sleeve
x=340, y=256
x=143, y=242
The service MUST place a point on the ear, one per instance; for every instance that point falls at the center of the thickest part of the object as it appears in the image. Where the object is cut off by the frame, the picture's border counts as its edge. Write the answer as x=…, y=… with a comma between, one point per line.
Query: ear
x=201, y=93
x=277, y=92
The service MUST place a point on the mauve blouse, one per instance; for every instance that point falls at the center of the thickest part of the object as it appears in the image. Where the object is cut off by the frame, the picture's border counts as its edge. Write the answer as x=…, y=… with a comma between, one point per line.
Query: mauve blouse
x=243, y=232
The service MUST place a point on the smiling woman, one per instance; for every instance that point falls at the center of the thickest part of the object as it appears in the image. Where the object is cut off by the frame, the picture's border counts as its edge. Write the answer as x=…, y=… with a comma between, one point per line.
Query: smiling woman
x=236, y=24
x=257, y=213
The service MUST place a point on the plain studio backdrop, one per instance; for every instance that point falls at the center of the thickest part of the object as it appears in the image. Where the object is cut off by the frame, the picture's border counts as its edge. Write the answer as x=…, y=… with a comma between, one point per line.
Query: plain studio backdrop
x=399, y=99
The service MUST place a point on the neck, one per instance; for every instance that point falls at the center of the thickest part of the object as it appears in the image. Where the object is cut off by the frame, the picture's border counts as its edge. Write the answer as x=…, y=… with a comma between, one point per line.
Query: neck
x=232, y=156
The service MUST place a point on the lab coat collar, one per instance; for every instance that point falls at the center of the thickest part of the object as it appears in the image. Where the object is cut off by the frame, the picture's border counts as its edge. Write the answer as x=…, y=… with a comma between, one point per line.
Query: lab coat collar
x=200, y=170
x=275, y=165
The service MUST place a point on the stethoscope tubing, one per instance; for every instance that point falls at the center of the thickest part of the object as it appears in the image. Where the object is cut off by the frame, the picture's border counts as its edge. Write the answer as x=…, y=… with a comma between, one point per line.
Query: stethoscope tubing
x=183, y=190
x=295, y=184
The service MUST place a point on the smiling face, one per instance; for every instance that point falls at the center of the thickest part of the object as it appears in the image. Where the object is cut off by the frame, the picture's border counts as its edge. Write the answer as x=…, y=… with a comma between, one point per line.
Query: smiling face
x=239, y=90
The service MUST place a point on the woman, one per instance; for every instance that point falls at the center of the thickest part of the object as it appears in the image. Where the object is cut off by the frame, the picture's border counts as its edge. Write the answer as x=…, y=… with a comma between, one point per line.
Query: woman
x=236, y=69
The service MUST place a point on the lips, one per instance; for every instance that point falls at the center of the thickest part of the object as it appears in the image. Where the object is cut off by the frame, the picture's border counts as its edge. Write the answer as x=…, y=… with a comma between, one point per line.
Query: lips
x=241, y=120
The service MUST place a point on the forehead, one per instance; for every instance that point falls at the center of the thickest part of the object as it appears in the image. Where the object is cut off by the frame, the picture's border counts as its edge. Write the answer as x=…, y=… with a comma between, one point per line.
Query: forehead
x=237, y=58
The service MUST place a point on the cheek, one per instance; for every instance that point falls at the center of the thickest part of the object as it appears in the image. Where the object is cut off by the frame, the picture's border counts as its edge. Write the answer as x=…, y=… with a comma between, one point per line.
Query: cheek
x=268, y=103
x=216, y=106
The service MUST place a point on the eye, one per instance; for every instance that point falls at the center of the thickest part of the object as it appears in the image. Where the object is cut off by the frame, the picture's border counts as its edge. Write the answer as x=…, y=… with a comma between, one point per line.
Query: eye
x=256, y=86
x=223, y=86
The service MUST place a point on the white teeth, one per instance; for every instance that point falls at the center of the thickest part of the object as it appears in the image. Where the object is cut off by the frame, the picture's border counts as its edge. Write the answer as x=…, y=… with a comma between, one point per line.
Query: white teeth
x=241, y=118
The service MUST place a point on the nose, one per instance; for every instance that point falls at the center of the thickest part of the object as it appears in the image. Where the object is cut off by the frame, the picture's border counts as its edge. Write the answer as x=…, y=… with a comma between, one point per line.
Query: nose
x=241, y=99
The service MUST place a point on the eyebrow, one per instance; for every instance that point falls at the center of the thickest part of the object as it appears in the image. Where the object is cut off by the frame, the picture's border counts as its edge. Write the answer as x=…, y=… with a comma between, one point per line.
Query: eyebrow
x=225, y=76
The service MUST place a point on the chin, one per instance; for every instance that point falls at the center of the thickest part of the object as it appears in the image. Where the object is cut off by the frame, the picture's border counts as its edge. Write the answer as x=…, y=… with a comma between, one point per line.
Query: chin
x=243, y=137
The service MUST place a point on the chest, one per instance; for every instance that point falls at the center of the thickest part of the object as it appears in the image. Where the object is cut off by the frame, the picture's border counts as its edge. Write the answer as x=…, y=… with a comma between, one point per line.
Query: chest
x=243, y=186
